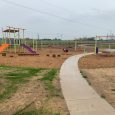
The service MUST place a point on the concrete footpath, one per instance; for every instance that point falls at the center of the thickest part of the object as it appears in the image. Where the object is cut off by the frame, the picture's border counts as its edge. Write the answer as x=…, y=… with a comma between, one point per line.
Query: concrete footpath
x=81, y=98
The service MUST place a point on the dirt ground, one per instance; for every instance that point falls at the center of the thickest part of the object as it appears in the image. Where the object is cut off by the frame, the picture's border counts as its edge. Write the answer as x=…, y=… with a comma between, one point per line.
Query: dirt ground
x=103, y=81
x=97, y=61
x=34, y=92
x=41, y=61
x=33, y=95
x=99, y=71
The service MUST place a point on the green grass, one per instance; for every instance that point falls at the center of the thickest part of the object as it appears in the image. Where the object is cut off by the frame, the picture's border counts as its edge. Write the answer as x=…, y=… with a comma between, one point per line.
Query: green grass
x=50, y=75
x=47, y=80
x=8, y=91
x=57, y=113
x=19, y=76
x=16, y=76
x=36, y=112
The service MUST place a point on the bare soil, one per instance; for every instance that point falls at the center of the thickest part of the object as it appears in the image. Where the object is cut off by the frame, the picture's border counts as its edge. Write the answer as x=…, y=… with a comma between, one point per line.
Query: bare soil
x=103, y=81
x=44, y=60
x=100, y=73
x=97, y=61
x=33, y=96
x=34, y=93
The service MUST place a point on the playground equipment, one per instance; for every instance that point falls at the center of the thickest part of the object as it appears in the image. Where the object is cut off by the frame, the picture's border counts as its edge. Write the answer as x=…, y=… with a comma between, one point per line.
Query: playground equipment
x=28, y=48
x=65, y=50
x=14, y=41
x=3, y=47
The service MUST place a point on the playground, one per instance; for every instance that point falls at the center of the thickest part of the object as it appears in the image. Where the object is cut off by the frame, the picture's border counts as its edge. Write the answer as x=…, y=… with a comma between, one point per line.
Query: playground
x=16, y=50
x=13, y=41
x=30, y=72
x=29, y=80
x=31, y=94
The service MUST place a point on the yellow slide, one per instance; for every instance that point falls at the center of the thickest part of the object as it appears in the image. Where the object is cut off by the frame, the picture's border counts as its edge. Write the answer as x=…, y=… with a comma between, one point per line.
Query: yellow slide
x=3, y=47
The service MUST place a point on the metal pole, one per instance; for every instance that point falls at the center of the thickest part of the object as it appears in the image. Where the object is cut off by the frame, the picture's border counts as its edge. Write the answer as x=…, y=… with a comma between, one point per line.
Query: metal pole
x=95, y=44
x=5, y=38
x=2, y=36
x=23, y=39
x=33, y=44
x=41, y=44
x=75, y=45
x=10, y=40
x=14, y=42
x=36, y=45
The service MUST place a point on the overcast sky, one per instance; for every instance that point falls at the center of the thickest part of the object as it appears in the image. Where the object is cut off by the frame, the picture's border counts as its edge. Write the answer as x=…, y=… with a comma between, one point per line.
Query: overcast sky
x=56, y=18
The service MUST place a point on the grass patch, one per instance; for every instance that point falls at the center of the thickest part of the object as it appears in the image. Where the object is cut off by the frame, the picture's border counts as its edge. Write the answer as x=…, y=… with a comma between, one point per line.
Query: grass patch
x=57, y=113
x=19, y=76
x=8, y=91
x=26, y=111
x=36, y=112
x=47, y=80
x=16, y=76
x=83, y=74
x=50, y=75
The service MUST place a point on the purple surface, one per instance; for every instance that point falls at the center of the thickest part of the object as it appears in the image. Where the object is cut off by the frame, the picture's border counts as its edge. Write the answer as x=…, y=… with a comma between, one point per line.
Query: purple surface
x=28, y=48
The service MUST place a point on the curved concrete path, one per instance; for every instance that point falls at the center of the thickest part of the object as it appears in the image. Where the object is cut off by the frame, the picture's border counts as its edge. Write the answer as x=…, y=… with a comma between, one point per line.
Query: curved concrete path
x=81, y=98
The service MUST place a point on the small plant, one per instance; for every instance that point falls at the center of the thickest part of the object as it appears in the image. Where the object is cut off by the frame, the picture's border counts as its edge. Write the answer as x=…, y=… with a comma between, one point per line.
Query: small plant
x=89, y=82
x=103, y=96
x=113, y=89
x=57, y=113
x=84, y=76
